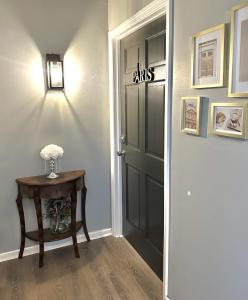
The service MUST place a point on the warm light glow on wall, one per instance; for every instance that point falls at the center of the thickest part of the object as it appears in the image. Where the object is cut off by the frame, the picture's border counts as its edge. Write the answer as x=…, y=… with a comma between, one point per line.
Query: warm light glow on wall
x=73, y=74
x=58, y=75
x=37, y=74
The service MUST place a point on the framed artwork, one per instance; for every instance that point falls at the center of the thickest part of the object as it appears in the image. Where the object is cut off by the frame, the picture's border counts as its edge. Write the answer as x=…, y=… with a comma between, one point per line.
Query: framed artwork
x=238, y=66
x=229, y=119
x=208, y=58
x=191, y=115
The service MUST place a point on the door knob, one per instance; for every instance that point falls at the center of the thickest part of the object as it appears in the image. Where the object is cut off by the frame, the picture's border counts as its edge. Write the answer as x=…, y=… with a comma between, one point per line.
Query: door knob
x=121, y=153
x=123, y=139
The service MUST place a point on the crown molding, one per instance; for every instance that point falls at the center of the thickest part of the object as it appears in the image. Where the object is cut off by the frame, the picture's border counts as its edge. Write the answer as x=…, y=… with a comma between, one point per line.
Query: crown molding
x=146, y=15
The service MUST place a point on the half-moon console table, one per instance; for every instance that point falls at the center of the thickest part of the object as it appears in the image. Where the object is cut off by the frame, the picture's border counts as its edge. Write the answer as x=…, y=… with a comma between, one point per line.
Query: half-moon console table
x=40, y=187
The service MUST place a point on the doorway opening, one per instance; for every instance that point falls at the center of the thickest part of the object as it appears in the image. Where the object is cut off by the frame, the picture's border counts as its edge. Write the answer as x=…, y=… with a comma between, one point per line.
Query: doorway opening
x=142, y=86
x=150, y=13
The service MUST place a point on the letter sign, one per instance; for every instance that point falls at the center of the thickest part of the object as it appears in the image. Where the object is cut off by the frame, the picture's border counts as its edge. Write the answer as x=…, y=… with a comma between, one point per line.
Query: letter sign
x=143, y=75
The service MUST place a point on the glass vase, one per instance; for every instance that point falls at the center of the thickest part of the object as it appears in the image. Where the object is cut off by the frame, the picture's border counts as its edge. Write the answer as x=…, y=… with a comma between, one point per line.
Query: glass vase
x=60, y=225
x=52, y=168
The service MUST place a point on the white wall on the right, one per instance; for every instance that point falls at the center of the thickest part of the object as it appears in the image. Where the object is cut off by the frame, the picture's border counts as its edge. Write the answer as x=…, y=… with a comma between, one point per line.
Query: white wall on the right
x=209, y=229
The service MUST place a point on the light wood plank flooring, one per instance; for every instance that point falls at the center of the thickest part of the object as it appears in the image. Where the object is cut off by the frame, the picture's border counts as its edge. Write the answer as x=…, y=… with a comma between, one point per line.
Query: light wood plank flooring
x=109, y=268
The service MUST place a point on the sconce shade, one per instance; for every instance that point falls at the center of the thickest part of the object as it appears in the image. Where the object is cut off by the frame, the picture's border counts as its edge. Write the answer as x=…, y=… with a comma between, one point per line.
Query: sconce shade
x=55, y=72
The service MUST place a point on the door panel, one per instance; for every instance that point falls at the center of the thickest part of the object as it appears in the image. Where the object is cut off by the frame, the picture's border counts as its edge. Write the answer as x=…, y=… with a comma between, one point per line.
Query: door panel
x=131, y=58
x=132, y=116
x=155, y=205
x=155, y=119
x=156, y=48
x=154, y=166
x=160, y=71
x=142, y=126
x=133, y=195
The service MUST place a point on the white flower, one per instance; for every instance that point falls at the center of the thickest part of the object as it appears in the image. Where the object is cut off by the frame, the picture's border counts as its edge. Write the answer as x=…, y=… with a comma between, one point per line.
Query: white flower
x=51, y=152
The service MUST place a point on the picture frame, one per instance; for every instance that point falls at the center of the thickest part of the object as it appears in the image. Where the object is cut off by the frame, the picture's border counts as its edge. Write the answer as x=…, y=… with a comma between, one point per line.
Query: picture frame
x=191, y=115
x=229, y=119
x=208, y=58
x=238, y=71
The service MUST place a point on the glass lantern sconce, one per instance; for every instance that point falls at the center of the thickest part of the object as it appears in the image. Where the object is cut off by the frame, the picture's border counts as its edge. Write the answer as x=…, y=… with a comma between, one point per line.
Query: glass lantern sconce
x=55, y=72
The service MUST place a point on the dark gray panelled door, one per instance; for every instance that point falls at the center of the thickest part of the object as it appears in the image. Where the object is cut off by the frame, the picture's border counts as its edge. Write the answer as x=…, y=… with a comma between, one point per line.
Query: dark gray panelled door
x=142, y=111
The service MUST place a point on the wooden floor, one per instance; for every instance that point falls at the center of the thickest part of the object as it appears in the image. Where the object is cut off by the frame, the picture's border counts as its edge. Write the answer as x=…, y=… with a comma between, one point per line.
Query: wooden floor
x=109, y=268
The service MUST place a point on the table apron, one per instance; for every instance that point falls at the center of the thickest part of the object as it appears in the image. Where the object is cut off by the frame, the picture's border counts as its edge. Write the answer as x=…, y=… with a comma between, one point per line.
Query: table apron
x=52, y=192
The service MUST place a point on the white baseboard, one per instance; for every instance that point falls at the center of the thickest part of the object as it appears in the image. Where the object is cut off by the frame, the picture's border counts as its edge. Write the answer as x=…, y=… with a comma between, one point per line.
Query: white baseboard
x=55, y=245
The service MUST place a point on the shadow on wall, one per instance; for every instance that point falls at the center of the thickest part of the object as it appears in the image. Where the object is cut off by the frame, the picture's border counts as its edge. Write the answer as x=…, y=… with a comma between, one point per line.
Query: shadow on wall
x=51, y=27
x=24, y=53
x=22, y=59
x=60, y=38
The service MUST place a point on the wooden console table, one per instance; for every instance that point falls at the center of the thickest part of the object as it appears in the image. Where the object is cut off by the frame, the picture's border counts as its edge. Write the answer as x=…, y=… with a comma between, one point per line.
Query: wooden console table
x=40, y=187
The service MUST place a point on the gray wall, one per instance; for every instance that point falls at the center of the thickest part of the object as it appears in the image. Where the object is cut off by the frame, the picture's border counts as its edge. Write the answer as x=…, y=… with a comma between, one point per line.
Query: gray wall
x=31, y=119
x=209, y=240
x=120, y=10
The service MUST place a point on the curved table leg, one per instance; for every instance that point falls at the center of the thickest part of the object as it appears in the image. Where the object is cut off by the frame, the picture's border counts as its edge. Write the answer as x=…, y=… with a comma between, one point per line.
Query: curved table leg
x=83, y=202
x=37, y=202
x=22, y=221
x=73, y=221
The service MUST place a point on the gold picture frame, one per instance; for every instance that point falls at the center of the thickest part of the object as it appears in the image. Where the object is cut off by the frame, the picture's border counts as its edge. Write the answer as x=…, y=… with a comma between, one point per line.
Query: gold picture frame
x=232, y=62
x=216, y=61
x=192, y=125
x=227, y=120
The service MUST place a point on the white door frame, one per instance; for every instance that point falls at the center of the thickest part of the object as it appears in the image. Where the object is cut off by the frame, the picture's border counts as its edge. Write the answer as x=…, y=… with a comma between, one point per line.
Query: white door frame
x=151, y=12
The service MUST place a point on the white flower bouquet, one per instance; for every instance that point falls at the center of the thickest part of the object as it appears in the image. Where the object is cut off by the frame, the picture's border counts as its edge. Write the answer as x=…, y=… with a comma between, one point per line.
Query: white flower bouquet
x=52, y=153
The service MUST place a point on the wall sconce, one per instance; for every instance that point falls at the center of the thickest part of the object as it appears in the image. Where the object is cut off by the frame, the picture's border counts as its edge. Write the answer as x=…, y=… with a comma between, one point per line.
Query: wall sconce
x=55, y=72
